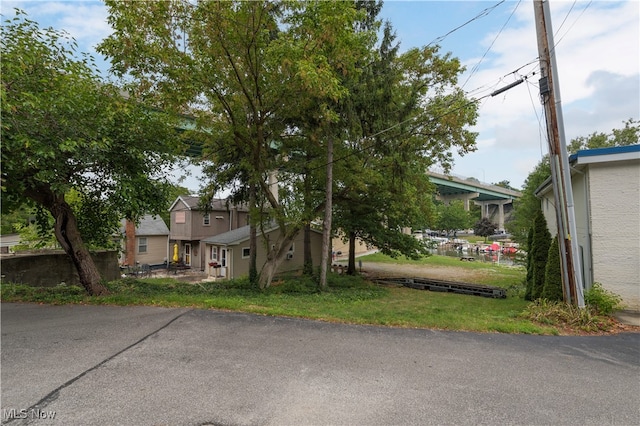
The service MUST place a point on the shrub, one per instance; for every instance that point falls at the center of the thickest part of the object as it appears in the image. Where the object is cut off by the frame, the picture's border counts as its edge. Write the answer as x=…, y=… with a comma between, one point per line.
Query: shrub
x=529, y=278
x=540, y=253
x=564, y=315
x=552, y=288
x=602, y=300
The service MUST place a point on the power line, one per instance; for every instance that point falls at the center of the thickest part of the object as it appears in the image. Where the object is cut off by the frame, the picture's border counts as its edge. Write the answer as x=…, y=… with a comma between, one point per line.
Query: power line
x=483, y=13
x=477, y=66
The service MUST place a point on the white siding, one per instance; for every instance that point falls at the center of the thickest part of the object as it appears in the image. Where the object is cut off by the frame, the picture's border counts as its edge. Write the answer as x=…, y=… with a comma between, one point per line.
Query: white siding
x=615, y=225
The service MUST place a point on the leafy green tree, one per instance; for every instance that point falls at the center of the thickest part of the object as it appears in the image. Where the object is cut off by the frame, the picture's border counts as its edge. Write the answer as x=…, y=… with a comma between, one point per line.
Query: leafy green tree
x=505, y=184
x=393, y=135
x=552, y=288
x=66, y=132
x=628, y=135
x=452, y=216
x=540, y=248
x=527, y=206
x=12, y=221
x=244, y=69
x=484, y=228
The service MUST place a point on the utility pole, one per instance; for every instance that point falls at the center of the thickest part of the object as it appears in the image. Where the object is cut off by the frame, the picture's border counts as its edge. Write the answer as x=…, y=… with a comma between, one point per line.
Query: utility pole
x=559, y=160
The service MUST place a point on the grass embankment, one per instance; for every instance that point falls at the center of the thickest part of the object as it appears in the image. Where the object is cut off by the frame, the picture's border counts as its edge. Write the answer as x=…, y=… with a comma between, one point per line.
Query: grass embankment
x=347, y=300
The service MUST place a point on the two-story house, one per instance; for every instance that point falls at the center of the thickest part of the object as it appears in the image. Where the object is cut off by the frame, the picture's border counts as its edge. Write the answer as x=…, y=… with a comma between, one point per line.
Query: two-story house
x=191, y=224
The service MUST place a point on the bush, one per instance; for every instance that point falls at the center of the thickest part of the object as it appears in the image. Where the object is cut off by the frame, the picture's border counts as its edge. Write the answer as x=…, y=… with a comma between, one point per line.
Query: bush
x=540, y=253
x=602, y=300
x=563, y=315
x=552, y=288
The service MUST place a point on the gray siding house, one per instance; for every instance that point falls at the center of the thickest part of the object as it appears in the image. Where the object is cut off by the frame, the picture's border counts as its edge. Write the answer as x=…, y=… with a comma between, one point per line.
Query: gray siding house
x=190, y=224
x=228, y=253
x=146, y=243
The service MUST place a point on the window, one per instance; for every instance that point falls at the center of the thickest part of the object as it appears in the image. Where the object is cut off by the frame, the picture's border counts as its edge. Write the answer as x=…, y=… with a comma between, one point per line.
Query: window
x=142, y=245
x=246, y=251
x=213, y=253
x=206, y=219
x=181, y=217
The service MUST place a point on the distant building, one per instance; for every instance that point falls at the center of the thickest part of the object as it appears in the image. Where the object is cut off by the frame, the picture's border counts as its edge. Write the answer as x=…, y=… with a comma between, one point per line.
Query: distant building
x=146, y=243
x=606, y=193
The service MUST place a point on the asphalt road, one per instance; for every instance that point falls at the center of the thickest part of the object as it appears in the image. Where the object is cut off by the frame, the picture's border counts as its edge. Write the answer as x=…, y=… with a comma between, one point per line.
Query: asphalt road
x=101, y=365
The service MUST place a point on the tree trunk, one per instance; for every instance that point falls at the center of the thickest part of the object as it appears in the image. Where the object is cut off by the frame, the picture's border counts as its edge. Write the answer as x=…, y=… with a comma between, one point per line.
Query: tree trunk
x=68, y=235
x=275, y=258
x=351, y=269
x=253, y=238
x=326, y=224
x=308, y=260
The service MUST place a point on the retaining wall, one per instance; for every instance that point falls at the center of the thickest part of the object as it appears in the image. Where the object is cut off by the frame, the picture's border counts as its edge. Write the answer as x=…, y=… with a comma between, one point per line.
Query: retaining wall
x=49, y=269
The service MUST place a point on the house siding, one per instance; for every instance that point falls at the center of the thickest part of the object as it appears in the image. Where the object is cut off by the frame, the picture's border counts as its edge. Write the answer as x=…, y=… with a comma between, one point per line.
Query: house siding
x=238, y=267
x=194, y=230
x=157, y=246
x=181, y=231
x=615, y=225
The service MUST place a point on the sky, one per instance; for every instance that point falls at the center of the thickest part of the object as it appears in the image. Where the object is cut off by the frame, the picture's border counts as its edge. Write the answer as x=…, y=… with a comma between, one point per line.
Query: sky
x=597, y=55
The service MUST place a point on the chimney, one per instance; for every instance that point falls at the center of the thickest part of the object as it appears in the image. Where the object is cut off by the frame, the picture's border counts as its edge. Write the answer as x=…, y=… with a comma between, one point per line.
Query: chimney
x=130, y=237
x=273, y=184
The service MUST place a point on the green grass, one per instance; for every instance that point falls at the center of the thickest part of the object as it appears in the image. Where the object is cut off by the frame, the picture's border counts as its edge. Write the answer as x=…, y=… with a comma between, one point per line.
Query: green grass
x=347, y=300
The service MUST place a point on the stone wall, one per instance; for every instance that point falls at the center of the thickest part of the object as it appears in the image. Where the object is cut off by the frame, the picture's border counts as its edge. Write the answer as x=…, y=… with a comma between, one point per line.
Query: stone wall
x=48, y=269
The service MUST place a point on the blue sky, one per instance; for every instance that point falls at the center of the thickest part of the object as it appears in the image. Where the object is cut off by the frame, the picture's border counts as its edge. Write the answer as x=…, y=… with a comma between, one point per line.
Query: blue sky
x=597, y=52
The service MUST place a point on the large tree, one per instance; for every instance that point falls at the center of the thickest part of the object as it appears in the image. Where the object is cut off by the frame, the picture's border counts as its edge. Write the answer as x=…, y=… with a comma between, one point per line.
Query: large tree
x=243, y=69
x=65, y=131
x=398, y=123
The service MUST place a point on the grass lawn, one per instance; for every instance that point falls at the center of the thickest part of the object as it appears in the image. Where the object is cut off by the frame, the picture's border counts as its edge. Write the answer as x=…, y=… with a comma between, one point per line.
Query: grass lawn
x=347, y=300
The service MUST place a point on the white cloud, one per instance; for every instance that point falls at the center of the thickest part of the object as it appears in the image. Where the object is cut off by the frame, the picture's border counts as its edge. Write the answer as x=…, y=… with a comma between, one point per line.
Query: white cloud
x=598, y=58
x=85, y=21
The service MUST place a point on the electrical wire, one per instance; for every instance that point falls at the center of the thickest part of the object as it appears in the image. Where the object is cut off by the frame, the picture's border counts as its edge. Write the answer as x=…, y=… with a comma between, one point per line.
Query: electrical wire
x=483, y=13
x=556, y=43
x=477, y=66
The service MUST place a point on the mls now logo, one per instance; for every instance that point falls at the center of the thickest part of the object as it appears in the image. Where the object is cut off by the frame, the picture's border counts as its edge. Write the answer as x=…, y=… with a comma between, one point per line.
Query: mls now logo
x=12, y=413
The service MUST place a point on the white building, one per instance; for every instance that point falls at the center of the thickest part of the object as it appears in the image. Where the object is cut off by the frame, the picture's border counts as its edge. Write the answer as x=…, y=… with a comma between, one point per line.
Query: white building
x=606, y=193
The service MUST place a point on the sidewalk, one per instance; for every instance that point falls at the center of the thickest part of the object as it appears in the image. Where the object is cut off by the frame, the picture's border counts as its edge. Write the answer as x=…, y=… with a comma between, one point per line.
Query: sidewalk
x=628, y=317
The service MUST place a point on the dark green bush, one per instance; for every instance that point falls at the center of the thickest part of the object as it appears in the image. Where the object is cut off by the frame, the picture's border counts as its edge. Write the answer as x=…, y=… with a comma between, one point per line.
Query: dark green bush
x=552, y=289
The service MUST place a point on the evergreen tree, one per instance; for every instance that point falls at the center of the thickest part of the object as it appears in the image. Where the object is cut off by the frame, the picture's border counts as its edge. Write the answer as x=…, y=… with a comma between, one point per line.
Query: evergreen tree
x=540, y=248
x=529, y=278
x=552, y=289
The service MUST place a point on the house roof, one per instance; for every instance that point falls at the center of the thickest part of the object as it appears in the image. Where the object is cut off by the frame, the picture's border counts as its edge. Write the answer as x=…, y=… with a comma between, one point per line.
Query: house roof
x=149, y=225
x=229, y=238
x=598, y=155
x=610, y=154
x=237, y=236
x=192, y=202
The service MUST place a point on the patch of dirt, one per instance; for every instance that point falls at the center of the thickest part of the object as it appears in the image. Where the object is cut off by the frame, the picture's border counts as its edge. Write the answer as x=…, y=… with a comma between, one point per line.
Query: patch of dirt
x=450, y=273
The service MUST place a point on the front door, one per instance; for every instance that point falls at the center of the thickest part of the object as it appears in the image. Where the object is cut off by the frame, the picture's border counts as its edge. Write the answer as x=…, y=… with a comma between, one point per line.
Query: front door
x=223, y=262
x=187, y=254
